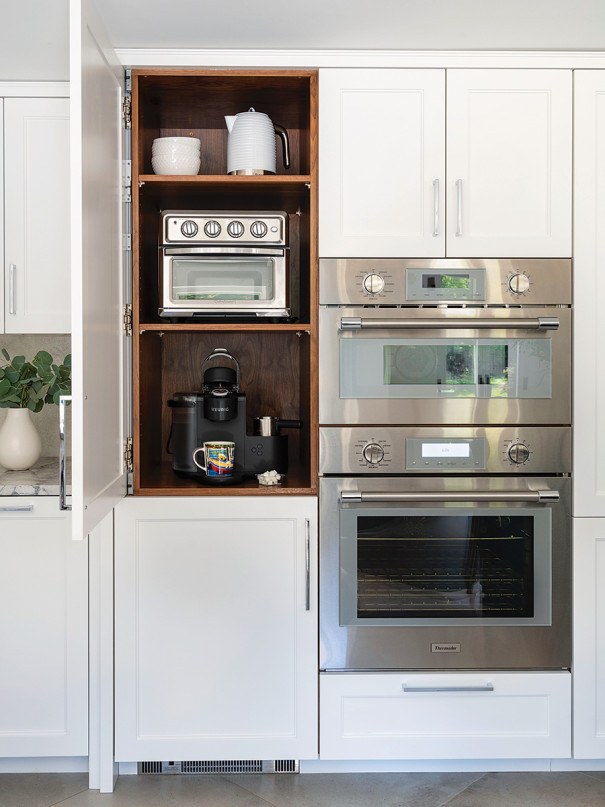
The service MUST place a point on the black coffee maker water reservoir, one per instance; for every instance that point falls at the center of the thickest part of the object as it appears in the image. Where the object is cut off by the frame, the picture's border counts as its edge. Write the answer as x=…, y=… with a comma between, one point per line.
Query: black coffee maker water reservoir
x=217, y=413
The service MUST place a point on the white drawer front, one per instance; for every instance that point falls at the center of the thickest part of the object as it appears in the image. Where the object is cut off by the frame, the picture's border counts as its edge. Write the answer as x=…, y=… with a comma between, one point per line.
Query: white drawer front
x=444, y=716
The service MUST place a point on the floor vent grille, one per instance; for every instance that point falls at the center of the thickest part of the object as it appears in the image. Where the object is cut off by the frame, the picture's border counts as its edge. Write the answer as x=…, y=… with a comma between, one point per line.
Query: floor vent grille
x=222, y=766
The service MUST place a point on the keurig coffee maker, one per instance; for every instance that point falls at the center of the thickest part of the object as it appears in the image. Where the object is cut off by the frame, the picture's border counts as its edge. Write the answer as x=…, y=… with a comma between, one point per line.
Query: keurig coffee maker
x=218, y=413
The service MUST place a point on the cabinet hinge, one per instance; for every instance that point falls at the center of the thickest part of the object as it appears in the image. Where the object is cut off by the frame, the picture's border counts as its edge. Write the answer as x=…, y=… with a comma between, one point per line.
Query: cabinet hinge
x=127, y=242
x=128, y=319
x=127, y=111
x=128, y=454
x=127, y=180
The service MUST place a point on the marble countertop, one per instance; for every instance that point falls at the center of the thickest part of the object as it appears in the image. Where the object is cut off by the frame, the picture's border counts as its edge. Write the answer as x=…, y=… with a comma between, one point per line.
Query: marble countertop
x=41, y=480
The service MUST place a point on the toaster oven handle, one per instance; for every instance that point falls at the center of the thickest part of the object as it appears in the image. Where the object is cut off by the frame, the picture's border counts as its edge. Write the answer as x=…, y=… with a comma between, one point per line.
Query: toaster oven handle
x=536, y=496
x=537, y=324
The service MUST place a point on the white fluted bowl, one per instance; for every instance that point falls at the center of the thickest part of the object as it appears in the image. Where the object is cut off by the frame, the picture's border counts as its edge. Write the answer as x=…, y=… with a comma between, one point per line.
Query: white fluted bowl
x=179, y=164
x=193, y=142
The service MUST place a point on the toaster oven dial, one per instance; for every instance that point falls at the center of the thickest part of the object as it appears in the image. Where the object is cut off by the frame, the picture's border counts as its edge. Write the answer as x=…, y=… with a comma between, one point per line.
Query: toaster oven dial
x=373, y=283
x=189, y=228
x=212, y=228
x=373, y=453
x=258, y=229
x=235, y=229
x=518, y=453
x=518, y=283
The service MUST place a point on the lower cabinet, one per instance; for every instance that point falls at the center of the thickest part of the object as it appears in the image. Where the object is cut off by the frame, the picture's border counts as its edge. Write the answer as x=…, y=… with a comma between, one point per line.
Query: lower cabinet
x=216, y=628
x=445, y=716
x=43, y=631
x=589, y=638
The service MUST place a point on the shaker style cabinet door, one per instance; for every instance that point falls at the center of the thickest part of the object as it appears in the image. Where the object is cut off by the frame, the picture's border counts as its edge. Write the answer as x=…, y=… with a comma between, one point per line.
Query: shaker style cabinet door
x=509, y=163
x=43, y=631
x=36, y=215
x=589, y=293
x=216, y=628
x=381, y=163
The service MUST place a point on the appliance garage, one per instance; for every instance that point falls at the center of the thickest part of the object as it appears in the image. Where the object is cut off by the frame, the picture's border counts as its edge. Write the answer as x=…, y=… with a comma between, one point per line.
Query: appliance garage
x=445, y=511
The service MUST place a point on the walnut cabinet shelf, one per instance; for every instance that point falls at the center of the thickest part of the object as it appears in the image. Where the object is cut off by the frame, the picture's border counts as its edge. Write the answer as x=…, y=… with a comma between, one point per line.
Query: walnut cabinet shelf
x=278, y=361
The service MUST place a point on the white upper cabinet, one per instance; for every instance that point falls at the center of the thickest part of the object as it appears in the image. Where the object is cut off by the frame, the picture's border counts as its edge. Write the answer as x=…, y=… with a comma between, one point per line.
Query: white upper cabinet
x=589, y=293
x=36, y=215
x=384, y=190
x=509, y=152
x=381, y=163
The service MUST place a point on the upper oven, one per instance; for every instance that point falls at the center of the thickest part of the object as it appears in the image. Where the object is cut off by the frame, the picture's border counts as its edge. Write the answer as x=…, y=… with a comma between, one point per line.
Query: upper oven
x=445, y=341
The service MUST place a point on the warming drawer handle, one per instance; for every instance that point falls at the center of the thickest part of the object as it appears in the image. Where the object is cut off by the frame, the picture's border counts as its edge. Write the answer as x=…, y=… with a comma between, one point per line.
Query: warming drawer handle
x=536, y=496
x=488, y=687
x=466, y=323
x=62, y=490
x=17, y=508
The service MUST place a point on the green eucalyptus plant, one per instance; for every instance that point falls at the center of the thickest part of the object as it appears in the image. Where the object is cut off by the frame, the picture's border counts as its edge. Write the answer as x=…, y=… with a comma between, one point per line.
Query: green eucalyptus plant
x=31, y=384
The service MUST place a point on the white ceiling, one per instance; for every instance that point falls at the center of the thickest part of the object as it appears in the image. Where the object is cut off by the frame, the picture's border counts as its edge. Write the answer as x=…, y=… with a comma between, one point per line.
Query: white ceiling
x=34, y=33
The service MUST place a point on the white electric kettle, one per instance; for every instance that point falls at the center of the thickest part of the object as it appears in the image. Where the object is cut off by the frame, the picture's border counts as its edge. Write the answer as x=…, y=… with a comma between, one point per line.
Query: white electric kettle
x=251, y=143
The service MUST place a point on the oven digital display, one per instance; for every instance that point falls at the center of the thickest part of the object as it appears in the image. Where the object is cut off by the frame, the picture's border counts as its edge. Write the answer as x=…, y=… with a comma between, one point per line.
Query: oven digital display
x=444, y=284
x=439, y=281
x=445, y=450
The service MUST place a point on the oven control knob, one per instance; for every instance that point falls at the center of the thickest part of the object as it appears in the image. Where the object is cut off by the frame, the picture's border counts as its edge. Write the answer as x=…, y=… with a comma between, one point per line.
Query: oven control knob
x=258, y=229
x=373, y=283
x=189, y=228
x=235, y=229
x=212, y=228
x=518, y=453
x=518, y=283
x=373, y=453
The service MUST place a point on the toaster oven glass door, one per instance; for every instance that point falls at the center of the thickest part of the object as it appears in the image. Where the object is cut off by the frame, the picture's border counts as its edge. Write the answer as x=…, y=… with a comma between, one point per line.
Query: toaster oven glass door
x=222, y=280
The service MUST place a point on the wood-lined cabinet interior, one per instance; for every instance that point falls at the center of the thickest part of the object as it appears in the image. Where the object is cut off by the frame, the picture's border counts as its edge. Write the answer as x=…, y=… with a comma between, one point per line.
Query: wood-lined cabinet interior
x=277, y=359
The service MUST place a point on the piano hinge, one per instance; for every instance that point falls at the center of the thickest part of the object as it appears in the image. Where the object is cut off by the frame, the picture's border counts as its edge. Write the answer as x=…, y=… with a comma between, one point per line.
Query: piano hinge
x=128, y=454
x=127, y=111
x=127, y=180
x=128, y=319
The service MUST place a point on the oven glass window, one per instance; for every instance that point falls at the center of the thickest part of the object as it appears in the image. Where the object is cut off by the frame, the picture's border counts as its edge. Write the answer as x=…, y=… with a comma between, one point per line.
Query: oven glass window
x=446, y=368
x=222, y=280
x=444, y=568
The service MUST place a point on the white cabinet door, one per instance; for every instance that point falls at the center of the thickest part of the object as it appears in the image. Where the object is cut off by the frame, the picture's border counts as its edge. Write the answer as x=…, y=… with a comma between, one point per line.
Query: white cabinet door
x=381, y=163
x=589, y=293
x=36, y=193
x=509, y=163
x=589, y=638
x=43, y=632
x=216, y=628
x=98, y=390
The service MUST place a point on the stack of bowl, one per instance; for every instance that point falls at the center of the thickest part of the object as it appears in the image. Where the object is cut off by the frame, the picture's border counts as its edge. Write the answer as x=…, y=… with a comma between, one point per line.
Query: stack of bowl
x=176, y=155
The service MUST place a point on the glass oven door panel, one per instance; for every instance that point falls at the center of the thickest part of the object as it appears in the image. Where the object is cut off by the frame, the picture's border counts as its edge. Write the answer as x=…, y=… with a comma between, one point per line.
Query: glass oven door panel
x=446, y=368
x=444, y=567
x=220, y=280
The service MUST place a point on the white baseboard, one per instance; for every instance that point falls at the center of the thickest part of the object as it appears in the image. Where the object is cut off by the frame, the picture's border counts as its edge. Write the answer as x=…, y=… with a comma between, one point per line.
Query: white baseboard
x=431, y=766
x=44, y=765
x=578, y=765
x=128, y=768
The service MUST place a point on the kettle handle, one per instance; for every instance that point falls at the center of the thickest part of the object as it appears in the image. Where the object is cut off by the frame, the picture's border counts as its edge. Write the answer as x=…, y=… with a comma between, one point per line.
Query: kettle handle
x=283, y=134
x=220, y=351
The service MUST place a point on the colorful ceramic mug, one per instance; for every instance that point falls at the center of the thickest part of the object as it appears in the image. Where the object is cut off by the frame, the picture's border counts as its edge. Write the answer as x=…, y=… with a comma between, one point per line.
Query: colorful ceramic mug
x=219, y=458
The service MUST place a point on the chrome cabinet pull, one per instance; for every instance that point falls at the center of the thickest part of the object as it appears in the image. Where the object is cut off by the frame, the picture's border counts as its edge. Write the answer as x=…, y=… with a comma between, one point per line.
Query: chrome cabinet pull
x=17, y=508
x=459, y=207
x=459, y=323
x=307, y=565
x=477, y=688
x=435, y=207
x=12, y=309
x=62, y=492
x=535, y=496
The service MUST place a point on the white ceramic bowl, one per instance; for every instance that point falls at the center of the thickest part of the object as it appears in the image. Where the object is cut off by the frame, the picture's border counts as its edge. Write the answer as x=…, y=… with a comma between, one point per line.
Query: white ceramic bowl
x=176, y=165
x=176, y=141
x=175, y=151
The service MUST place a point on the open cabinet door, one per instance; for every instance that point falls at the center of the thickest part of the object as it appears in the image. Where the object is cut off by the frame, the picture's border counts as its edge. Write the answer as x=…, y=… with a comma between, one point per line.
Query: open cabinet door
x=96, y=85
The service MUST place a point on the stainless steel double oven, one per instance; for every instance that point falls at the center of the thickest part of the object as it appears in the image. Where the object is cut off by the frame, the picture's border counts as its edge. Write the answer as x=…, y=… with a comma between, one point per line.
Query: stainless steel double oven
x=445, y=456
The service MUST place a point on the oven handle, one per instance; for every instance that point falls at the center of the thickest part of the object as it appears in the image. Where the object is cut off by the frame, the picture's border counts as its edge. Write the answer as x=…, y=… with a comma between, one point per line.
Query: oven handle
x=537, y=324
x=487, y=687
x=536, y=496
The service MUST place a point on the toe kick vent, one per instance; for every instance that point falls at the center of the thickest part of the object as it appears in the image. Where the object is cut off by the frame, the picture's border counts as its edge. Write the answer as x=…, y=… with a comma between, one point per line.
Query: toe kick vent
x=226, y=766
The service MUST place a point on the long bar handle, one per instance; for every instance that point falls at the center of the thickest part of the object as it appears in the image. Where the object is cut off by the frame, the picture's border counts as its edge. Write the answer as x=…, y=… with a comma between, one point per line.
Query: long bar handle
x=472, y=688
x=62, y=490
x=435, y=207
x=12, y=308
x=458, y=207
x=459, y=323
x=17, y=508
x=307, y=565
x=536, y=496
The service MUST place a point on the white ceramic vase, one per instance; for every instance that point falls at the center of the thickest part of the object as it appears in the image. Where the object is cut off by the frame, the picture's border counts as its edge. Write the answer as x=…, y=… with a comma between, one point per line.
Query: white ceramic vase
x=20, y=443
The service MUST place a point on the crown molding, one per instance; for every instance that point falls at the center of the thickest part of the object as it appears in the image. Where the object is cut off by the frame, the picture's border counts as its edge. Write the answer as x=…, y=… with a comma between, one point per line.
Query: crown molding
x=34, y=89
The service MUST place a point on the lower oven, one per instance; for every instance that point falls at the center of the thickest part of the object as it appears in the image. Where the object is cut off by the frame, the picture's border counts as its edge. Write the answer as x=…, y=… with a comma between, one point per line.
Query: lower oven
x=451, y=571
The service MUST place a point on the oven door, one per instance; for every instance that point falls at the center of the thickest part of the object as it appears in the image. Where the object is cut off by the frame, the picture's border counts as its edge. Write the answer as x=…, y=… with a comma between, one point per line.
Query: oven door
x=205, y=280
x=445, y=573
x=445, y=366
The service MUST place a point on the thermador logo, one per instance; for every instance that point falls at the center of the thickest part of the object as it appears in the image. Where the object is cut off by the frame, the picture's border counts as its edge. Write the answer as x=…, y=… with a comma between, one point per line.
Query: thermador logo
x=445, y=648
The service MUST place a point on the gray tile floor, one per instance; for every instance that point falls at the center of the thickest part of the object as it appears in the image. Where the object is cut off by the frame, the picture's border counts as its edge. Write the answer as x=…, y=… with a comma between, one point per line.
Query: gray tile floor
x=311, y=790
